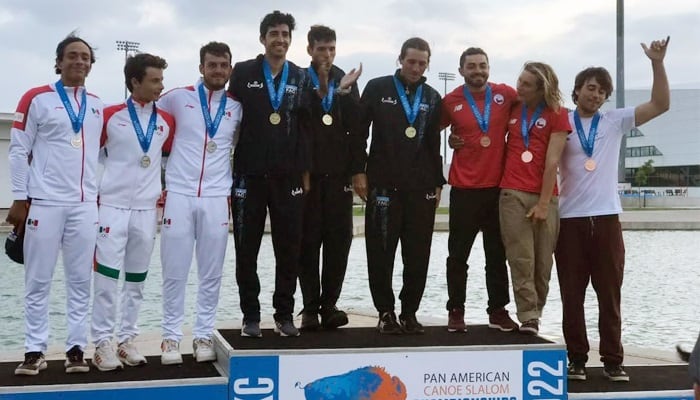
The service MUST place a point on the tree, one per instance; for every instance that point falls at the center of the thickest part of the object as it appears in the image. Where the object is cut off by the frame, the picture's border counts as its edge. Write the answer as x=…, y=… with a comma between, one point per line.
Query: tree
x=641, y=177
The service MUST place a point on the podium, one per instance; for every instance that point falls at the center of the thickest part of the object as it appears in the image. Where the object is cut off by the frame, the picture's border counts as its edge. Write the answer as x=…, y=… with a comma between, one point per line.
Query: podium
x=357, y=363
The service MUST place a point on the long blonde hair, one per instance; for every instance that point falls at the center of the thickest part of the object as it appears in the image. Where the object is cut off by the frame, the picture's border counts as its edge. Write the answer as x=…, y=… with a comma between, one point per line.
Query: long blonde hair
x=546, y=80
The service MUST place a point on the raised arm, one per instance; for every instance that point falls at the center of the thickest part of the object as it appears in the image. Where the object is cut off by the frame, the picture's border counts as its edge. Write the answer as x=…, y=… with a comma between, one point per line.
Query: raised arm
x=660, y=93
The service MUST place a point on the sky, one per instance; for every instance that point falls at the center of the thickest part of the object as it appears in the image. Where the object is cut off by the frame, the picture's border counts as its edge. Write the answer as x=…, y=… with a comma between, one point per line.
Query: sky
x=561, y=33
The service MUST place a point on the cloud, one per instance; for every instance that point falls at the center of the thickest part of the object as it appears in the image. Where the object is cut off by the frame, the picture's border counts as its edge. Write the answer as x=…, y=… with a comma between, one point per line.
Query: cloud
x=563, y=34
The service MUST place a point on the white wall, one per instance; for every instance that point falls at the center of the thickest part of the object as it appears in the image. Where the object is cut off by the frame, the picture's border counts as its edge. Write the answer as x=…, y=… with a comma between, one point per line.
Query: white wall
x=5, y=193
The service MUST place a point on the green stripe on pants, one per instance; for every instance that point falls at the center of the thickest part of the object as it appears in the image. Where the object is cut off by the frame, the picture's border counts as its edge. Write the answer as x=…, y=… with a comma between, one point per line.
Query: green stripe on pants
x=107, y=271
x=136, y=276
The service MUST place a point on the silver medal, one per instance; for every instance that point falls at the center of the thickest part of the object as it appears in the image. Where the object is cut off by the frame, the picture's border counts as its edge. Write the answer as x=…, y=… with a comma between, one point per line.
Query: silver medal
x=76, y=141
x=145, y=161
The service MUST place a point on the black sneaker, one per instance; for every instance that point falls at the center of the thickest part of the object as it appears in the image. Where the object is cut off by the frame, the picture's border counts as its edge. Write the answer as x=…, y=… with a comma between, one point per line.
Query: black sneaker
x=309, y=321
x=75, y=362
x=286, y=328
x=332, y=318
x=616, y=373
x=251, y=329
x=576, y=372
x=387, y=324
x=34, y=362
x=411, y=326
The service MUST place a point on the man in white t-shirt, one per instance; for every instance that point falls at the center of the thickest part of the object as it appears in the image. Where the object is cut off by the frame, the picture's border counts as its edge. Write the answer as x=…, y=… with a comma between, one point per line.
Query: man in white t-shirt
x=590, y=245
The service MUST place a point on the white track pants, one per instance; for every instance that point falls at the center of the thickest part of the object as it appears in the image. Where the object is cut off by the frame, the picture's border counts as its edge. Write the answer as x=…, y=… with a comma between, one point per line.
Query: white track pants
x=125, y=240
x=50, y=229
x=198, y=224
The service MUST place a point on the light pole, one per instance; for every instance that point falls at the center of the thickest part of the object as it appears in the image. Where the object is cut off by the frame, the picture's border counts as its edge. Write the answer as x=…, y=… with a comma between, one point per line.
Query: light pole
x=620, y=83
x=127, y=46
x=445, y=76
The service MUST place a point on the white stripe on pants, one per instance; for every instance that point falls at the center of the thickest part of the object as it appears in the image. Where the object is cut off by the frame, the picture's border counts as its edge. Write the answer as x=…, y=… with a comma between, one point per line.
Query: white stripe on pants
x=190, y=224
x=125, y=243
x=50, y=229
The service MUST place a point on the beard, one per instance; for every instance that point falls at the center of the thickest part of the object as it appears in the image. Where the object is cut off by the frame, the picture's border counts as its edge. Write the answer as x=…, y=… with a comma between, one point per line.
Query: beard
x=477, y=81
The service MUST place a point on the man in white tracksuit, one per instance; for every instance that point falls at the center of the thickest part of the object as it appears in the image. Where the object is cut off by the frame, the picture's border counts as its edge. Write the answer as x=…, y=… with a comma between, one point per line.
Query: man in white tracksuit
x=198, y=183
x=54, y=145
x=135, y=134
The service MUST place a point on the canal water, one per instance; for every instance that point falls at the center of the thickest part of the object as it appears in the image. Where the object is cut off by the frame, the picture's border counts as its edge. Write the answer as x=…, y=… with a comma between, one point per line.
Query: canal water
x=660, y=292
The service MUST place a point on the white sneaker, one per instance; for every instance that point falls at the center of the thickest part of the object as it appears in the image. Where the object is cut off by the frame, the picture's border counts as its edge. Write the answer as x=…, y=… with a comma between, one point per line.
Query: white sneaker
x=129, y=355
x=203, y=350
x=171, y=352
x=105, y=357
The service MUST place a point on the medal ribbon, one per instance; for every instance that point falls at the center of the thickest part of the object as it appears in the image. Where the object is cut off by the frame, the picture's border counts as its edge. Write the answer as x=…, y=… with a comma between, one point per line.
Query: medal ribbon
x=525, y=126
x=144, y=140
x=76, y=121
x=275, y=96
x=212, y=126
x=587, y=143
x=483, y=121
x=326, y=102
x=411, y=111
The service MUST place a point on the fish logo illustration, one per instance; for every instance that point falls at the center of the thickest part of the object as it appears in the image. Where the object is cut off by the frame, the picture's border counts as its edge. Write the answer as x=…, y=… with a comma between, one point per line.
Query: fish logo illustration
x=370, y=383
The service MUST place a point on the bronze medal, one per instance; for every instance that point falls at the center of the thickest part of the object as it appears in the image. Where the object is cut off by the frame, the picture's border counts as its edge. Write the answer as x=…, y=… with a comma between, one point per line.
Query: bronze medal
x=275, y=118
x=485, y=141
x=327, y=119
x=526, y=156
x=589, y=165
x=211, y=146
x=76, y=141
x=145, y=161
x=410, y=132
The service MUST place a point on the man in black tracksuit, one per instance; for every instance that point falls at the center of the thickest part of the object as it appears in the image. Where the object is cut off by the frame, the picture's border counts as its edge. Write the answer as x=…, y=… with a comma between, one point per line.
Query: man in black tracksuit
x=328, y=204
x=402, y=184
x=270, y=167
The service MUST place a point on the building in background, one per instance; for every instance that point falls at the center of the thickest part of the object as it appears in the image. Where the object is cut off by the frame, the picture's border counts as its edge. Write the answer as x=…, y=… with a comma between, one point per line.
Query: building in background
x=5, y=193
x=671, y=140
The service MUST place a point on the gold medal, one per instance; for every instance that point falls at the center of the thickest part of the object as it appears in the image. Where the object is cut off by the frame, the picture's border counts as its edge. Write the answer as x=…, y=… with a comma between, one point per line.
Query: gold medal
x=275, y=118
x=485, y=141
x=526, y=156
x=410, y=132
x=145, y=161
x=589, y=165
x=327, y=119
x=76, y=141
x=211, y=146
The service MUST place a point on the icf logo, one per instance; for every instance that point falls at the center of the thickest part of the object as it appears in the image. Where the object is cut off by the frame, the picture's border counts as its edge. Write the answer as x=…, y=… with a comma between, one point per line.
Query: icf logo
x=254, y=378
x=259, y=389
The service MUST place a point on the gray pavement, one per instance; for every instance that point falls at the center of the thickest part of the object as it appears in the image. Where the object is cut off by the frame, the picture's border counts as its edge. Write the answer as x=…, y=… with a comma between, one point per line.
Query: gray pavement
x=636, y=219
